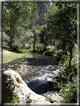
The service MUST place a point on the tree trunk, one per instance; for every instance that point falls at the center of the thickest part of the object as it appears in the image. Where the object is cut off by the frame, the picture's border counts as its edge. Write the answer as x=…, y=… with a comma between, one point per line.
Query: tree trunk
x=34, y=47
x=70, y=56
x=45, y=48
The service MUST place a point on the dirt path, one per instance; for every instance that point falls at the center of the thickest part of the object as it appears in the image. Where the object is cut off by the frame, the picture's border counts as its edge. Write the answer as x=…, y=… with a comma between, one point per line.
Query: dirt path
x=6, y=51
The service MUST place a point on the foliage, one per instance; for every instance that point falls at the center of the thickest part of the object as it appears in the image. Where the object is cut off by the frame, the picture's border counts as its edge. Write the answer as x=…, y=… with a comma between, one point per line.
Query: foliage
x=36, y=38
x=14, y=99
x=20, y=50
x=60, y=20
x=69, y=91
x=6, y=39
x=62, y=26
x=45, y=37
x=65, y=68
x=68, y=84
x=17, y=17
x=24, y=40
x=40, y=46
x=61, y=58
x=47, y=99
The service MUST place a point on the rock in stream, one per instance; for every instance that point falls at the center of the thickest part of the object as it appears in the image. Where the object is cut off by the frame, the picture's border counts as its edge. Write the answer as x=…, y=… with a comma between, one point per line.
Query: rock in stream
x=13, y=84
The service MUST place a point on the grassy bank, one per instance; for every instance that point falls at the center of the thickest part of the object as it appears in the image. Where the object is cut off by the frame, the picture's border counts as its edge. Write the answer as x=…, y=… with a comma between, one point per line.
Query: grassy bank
x=9, y=56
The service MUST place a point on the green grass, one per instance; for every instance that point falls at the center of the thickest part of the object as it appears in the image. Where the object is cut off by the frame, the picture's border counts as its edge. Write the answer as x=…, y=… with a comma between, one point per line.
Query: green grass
x=9, y=56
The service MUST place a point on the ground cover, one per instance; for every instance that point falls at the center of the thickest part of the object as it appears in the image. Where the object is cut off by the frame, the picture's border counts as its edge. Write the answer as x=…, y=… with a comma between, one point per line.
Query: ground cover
x=9, y=56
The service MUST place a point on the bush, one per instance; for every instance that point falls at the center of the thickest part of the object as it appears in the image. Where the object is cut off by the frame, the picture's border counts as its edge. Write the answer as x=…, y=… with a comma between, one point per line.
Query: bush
x=74, y=64
x=65, y=68
x=61, y=57
x=20, y=50
x=14, y=99
x=40, y=46
x=69, y=91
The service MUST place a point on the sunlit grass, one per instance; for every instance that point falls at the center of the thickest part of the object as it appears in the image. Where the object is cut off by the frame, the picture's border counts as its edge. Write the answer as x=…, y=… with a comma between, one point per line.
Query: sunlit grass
x=10, y=56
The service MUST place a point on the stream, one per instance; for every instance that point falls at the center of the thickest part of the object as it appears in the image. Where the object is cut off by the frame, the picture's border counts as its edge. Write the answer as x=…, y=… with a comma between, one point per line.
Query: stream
x=41, y=71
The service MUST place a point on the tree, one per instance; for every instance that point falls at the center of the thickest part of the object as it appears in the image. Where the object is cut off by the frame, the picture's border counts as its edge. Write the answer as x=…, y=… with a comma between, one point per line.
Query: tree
x=36, y=38
x=45, y=37
x=10, y=17
x=63, y=26
x=18, y=16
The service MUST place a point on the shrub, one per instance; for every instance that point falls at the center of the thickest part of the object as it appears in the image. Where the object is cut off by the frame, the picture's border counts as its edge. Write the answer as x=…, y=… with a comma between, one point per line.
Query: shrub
x=14, y=99
x=20, y=50
x=65, y=68
x=69, y=91
x=40, y=46
x=61, y=57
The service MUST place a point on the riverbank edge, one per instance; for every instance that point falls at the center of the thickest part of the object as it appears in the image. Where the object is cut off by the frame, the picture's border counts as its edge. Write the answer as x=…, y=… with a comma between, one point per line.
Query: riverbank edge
x=24, y=55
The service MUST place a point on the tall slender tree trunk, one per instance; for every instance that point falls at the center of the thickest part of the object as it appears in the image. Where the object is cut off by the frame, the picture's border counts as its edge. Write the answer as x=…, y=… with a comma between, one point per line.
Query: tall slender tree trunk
x=45, y=48
x=34, y=46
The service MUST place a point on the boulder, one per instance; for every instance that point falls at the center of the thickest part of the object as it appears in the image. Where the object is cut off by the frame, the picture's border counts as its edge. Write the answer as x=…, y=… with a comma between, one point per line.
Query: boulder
x=12, y=83
x=54, y=98
x=57, y=75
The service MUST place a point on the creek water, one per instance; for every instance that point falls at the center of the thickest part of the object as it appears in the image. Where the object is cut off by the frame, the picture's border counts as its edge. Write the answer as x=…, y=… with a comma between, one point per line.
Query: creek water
x=41, y=71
